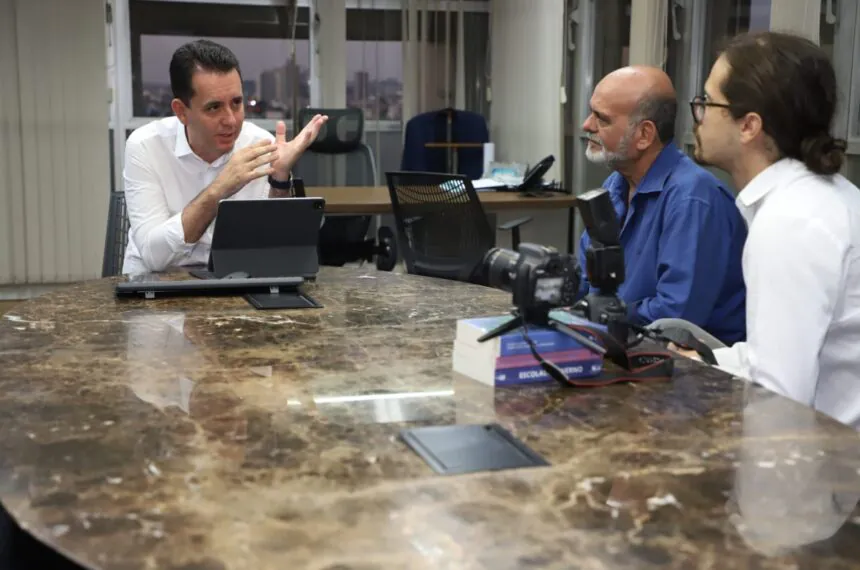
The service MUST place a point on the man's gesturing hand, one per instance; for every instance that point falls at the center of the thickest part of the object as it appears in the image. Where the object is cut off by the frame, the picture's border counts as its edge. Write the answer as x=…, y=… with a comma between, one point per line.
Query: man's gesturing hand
x=290, y=151
x=245, y=166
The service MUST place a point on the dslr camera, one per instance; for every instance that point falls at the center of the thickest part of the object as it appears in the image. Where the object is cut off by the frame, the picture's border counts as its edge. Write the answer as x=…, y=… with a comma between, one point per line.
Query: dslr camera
x=539, y=277
x=542, y=279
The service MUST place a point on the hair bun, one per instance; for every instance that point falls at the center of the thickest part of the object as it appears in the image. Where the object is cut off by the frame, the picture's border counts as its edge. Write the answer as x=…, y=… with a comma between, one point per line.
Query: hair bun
x=823, y=154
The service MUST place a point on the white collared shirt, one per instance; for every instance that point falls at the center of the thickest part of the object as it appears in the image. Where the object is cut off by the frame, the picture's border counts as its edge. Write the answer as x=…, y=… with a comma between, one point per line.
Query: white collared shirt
x=801, y=265
x=161, y=176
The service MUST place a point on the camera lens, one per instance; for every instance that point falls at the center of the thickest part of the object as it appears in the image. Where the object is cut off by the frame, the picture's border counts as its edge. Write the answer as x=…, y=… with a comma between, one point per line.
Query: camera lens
x=500, y=265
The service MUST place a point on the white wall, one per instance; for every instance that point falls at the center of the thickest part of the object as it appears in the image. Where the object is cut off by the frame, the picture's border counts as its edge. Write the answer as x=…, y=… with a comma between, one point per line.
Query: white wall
x=328, y=63
x=526, y=69
x=797, y=16
x=527, y=41
x=54, y=152
x=648, y=30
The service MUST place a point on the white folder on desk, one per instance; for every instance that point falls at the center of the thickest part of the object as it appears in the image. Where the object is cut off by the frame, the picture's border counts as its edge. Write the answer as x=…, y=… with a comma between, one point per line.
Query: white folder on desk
x=487, y=184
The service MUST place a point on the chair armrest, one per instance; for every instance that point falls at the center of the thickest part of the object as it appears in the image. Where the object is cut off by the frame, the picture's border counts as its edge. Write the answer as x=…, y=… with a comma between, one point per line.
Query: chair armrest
x=515, y=223
x=514, y=226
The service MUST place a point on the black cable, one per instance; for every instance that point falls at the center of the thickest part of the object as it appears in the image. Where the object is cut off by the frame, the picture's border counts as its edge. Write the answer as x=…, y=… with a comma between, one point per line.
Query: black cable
x=635, y=366
x=550, y=368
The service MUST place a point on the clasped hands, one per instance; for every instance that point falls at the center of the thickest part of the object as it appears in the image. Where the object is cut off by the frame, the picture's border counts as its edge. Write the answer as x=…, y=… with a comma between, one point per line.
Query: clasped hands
x=265, y=158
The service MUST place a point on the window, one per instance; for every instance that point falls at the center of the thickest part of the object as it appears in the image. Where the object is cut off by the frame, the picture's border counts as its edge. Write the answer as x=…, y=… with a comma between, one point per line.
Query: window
x=614, y=43
x=685, y=31
x=728, y=18
x=827, y=27
x=837, y=27
x=375, y=60
x=275, y=80
x=375, y=78
x=612, y=47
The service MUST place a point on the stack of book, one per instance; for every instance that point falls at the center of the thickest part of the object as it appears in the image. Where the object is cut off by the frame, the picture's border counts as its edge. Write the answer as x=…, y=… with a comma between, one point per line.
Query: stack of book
x=507, y=359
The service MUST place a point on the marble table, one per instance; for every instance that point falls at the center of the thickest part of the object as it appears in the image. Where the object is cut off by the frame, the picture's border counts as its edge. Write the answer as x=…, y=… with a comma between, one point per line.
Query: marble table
x=199, y=433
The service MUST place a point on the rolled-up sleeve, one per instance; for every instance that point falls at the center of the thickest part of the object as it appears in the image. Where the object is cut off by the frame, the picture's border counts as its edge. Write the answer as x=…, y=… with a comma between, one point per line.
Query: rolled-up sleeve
x=691, y=264
x=157, y=235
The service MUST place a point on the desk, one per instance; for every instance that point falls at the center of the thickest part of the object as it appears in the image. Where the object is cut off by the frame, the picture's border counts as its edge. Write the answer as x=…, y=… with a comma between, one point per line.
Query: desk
x=200, y=433
x=376, y=200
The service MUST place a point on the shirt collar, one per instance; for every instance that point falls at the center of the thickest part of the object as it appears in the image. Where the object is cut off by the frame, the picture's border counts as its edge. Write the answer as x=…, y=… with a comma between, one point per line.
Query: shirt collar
x=777, y=174
x=182, y=148
x=655, y=178
x=781, y=173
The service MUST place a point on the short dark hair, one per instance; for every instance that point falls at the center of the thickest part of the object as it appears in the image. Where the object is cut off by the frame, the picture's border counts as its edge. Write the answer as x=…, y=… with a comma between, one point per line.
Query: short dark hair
x=660, y=110
x=790, y=82
x=199, y=55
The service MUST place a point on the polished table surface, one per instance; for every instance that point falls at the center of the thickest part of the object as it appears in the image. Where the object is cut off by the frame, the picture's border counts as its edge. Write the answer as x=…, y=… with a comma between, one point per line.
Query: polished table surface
x=199, y=433
x=376, y=200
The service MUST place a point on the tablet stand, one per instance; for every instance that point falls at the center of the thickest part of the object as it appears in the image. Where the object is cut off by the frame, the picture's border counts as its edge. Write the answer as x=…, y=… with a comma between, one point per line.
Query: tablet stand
x=282, y=300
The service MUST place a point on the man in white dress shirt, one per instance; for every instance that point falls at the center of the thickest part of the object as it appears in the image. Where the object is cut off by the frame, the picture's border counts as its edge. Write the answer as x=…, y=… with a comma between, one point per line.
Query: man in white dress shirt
x=177, y=169
x=765, y=118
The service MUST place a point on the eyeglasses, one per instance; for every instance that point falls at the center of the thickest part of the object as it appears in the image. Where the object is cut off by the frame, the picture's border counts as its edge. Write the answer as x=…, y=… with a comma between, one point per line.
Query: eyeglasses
x=698, y=104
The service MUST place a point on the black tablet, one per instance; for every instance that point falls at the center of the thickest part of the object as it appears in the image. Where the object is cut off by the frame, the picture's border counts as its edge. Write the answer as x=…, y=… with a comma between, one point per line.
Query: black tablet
x=458, y=449
x=290, y=300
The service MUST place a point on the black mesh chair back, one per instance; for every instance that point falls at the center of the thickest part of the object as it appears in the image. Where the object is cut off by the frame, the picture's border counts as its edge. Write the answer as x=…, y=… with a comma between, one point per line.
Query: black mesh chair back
x=442, y=230
x=116, y=237
x=338, y=157
x=356, y=168
x=342, y=132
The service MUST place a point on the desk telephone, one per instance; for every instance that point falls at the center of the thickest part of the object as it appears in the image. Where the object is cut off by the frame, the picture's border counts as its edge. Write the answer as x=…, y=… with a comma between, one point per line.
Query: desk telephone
x=506, y=178
x=533, y=178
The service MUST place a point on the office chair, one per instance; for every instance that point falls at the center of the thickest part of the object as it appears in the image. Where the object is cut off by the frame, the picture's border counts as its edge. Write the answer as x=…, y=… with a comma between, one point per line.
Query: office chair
x=442, y=230
x=446, y=140
x=116, y=236
x=338, y=157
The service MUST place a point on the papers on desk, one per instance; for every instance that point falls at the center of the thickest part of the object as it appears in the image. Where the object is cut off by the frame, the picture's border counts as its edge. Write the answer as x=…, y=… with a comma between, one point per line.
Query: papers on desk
x=490, y=184
x=480, y=185
x=487, y=184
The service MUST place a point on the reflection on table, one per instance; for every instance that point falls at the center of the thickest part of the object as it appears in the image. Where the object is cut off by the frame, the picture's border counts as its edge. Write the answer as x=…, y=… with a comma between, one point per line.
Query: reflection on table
x=201, y=433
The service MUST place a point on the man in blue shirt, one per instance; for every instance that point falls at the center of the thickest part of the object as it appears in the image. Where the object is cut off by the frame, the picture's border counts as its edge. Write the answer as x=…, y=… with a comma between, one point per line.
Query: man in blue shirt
x=681, y=232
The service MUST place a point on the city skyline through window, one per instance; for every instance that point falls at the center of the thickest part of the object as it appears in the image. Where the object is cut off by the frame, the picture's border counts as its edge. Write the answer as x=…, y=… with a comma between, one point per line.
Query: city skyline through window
x=374, y=75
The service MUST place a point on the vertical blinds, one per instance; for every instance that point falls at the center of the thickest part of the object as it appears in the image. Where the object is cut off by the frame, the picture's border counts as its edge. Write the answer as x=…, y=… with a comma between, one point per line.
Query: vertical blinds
x=54, y=151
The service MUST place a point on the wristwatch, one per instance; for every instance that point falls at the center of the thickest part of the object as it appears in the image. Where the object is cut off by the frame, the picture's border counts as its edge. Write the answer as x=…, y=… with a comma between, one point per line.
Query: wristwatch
x=283, y=185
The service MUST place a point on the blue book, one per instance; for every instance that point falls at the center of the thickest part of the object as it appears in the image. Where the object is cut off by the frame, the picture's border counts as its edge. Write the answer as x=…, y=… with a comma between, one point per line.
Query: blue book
x=507, y=359
x=534, y=373
x=482, y=366
x=514, y=342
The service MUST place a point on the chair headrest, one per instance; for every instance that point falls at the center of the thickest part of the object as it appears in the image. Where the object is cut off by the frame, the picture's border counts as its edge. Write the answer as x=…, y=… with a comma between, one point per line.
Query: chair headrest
x=341, y=134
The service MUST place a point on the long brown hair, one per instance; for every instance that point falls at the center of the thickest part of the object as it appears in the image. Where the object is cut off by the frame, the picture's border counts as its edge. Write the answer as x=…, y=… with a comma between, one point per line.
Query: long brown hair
x=790, y=82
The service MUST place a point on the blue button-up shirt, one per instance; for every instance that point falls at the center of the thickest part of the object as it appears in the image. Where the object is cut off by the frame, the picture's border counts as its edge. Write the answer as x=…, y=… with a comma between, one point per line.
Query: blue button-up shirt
x=683, y=238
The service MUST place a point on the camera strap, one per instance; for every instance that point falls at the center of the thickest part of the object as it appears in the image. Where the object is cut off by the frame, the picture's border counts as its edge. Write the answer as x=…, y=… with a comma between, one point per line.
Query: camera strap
x=634, y=365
